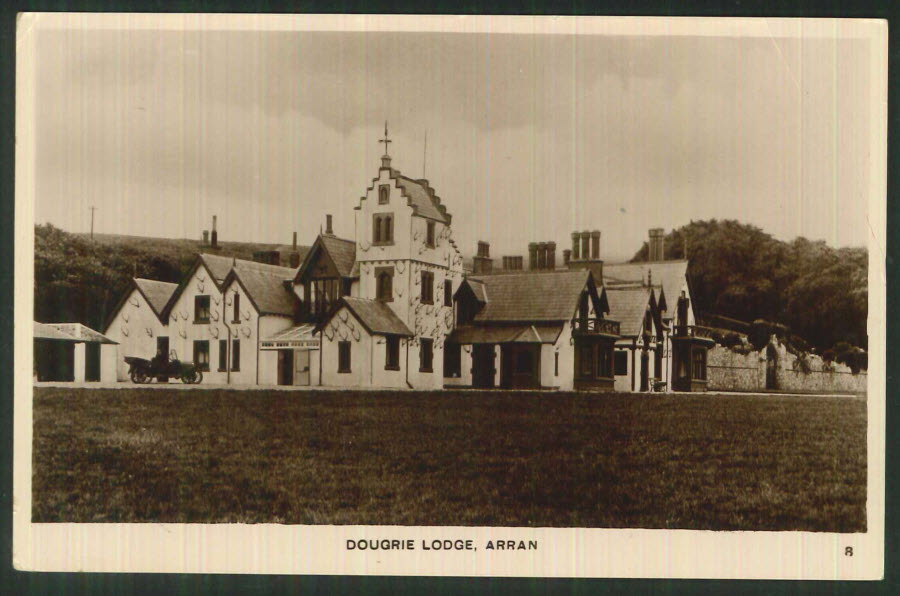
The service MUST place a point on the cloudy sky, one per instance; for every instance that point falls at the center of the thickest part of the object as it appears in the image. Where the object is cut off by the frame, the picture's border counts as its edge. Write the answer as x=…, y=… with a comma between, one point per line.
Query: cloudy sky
x=529, y=136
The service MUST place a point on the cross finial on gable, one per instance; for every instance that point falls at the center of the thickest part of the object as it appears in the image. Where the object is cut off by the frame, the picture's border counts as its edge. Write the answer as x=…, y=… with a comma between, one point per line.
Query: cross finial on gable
x=385, y=140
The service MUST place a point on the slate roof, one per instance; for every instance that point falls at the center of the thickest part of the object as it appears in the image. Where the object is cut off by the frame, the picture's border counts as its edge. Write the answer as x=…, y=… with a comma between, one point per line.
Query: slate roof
x=533, y=297
x=377, y=317
x=74, y=332
x=266, y=290
x=422, y=198
x=157, y=293
x=342, y=252
x=478, y=289
x=628, y=305
x=220, y=267
x=500, y=334
x=671, y=275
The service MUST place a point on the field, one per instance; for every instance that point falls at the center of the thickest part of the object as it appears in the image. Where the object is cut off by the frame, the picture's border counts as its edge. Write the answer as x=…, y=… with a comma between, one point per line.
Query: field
x=450, y=458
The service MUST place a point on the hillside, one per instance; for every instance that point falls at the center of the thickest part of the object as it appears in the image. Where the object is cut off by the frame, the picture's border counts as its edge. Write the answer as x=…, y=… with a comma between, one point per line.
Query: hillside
x=79, y=280
x=739, y=271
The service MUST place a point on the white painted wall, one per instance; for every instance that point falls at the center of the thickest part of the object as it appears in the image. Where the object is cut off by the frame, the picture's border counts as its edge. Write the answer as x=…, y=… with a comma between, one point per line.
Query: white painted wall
x=409, y=255
x=129, y=328
x=109, y=354
x=79, y=362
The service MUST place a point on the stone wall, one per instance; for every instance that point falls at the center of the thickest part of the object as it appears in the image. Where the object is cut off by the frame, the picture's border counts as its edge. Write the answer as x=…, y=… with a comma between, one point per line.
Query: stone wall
x=728, y=370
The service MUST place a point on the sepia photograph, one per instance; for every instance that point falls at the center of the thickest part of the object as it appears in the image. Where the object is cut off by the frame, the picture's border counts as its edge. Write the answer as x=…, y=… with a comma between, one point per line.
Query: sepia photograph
x=392, y=289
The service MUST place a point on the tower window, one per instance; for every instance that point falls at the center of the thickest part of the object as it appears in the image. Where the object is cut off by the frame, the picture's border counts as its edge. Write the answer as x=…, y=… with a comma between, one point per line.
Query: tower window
x=384, y=194
x=427, y=287
x=384, y=284
x=429, y=234
x=448, y=293
x=383, y=228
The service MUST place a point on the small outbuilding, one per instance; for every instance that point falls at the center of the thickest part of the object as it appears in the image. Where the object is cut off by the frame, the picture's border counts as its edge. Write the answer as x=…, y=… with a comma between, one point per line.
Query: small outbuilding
x=73, y=352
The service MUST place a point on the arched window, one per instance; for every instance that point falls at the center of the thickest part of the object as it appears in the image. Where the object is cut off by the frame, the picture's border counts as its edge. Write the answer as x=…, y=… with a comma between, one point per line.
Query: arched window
x=384, y=193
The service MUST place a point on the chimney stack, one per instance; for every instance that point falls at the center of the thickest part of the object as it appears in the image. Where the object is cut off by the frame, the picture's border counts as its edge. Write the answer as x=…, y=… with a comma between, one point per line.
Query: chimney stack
x=551, y=255
x=215, y=235
x=483, y=263
x=656, y=245
x=567, y=256
x=205, y=237
x=294, y=245
x=532, y=255
x=576, y=253
x=595, y=245
x=328, y=230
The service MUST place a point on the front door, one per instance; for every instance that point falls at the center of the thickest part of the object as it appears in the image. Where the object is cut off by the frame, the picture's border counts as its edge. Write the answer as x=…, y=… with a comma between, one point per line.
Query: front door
x=483, y=369
x=301, y=367
x=285, y=367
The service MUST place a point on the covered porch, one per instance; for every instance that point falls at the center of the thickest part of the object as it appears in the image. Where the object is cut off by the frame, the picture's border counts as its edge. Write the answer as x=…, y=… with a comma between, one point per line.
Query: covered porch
x=508, y=356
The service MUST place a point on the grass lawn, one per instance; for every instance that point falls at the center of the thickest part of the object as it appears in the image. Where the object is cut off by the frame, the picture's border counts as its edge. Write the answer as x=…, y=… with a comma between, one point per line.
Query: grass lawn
x=450, y=458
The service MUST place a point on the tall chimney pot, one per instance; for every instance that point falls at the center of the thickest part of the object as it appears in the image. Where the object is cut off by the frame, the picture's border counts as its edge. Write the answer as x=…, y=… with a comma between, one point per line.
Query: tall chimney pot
x=328, y=229
x=294, y=245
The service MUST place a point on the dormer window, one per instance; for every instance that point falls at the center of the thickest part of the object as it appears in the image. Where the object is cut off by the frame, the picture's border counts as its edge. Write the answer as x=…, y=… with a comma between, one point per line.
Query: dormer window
x=383, y=228
x=384, y=194
x=429, y=235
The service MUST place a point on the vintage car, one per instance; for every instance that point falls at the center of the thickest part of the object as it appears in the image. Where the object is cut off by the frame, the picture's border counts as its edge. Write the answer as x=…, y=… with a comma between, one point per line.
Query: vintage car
x=162, y=367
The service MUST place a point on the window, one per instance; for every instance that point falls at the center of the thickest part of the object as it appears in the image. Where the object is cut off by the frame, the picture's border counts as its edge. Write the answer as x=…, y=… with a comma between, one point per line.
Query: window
x=235, y=355
x=452, y=359
x=427, y=287
x=621, y=362
x=392, y=353
x=699, y=364
x=604, y=361
x=383, y=228
x=556, y=364
x=237, y=309
x=201, y=309
x=429, y=234
x=343, y=356
x=384, y=194
x=586, y=361
x=426, y=354
x=448, y=293
x=201, y=354
x=384, y=284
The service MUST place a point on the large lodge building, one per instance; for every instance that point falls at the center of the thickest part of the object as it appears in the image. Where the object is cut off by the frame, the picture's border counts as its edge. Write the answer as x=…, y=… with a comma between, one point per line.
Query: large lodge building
x=395, y=308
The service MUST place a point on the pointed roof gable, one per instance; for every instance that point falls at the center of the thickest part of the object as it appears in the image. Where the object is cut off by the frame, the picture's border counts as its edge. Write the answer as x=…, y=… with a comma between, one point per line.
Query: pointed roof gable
x=156, y=293
x=532, y=297
x=219, y=268
x=628, y=305
x=340, y=251
x=670, y=275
